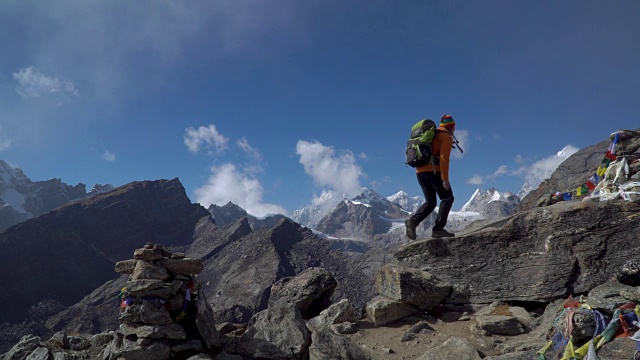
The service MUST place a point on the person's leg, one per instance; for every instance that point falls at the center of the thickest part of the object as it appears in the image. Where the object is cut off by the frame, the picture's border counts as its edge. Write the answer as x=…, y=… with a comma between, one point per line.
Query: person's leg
x=423, y=211
x=446, y=197
x=430, y=200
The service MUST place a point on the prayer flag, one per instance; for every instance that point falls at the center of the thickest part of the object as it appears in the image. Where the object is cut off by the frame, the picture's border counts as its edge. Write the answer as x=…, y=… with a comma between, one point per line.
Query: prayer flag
x=566, y=196
x=590, y=185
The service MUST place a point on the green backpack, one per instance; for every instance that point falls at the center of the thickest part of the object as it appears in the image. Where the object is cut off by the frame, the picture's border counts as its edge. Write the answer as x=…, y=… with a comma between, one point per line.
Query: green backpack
x=419, y=150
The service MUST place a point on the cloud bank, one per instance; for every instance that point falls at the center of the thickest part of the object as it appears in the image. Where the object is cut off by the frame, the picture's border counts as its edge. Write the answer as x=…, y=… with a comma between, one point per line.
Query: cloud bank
x=532, y=174
x=228, y=183
x=327, y=167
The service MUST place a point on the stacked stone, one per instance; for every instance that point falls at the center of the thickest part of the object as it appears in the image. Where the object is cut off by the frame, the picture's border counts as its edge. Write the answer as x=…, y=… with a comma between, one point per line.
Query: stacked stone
x=161, y=301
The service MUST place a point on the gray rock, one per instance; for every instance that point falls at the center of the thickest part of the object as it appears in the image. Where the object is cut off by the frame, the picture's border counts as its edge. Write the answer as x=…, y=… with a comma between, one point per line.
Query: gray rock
x=344, y=328
x=339, y=312
x=276, y=333
x=225, y=328
x=411, y=286
x=407, y=336
x=607, y=297
x=122, y=348
x=41, y=353
x=497, y=308
x=633, y=294
x=185, y=266
x=584, y=325
x=310, y=290
x=191, y=346
x=206, y=324
x=100, y=340
x=382, y=310
x=78, y=343
x=629, y=273
x=500, y=324
x=126, y=266
x=171, y=331
x=326, y=345
x=23, y=348
x=142, y=288
x=146, y=312
x=422, y=327
x=148, y=254
x=60, y=339
x=454, y=348
x=147, y=270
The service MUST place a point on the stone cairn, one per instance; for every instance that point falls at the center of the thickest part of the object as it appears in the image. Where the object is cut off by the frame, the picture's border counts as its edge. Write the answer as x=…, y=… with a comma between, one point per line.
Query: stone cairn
x=164, y=315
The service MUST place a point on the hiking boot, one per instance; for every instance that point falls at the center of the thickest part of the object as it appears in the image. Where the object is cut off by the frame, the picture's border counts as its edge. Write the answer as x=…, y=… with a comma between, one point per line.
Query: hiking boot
x=410, y=226
x=442, y=233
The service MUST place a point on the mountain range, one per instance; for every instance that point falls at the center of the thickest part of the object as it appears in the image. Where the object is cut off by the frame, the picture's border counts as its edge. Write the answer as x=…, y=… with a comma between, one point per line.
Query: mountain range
x=22, y=199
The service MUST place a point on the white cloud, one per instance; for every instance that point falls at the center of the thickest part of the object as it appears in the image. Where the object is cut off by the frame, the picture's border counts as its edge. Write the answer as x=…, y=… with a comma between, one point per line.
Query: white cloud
x=502, y=170
x=475, y=180
x=362, y=156
x=249, y=150
x=227, y=183
x=463, y=139
x=328, y=168
x=204, y=136
x=108, y=156
x=542, y=169
x=33, y=83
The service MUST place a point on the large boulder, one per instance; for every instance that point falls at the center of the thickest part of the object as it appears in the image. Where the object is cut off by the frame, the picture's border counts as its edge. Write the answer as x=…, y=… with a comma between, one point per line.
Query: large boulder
x=337, y=313
x=276, y=333
x=310, y=291
x=538, y=255
x=326, y=345
x=411, y=286
x=382, y=310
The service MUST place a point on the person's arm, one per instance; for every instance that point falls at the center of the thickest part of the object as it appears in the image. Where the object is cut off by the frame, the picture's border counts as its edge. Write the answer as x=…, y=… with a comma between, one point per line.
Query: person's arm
x=446, y=144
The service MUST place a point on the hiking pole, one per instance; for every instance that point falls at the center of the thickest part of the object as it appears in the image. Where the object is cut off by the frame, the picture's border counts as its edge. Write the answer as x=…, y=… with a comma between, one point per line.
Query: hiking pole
x=456, y=143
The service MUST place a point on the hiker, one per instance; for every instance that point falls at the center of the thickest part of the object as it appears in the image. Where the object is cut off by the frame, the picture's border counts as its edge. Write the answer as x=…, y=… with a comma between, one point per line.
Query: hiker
x=434, y=179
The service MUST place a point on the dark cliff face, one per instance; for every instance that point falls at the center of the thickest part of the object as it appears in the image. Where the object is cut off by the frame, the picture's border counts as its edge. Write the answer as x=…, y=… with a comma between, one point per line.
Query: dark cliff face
x=68, y=252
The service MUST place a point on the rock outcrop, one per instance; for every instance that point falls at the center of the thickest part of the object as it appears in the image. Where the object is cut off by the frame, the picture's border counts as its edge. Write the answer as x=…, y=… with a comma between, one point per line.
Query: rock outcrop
x=538, y=255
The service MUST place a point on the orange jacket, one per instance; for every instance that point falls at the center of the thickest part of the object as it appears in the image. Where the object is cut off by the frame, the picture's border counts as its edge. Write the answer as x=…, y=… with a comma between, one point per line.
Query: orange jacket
x=441, y=147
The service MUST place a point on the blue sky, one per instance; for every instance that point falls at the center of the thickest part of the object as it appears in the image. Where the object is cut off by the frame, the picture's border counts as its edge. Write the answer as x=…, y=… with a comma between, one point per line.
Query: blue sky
x=270, y=103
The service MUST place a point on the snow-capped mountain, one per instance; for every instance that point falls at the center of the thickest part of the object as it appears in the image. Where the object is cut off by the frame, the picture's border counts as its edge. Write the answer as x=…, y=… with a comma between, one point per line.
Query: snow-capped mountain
x=409, y=203
x=21, y=198
x=320, y=206
x=363, y=217
x=491, y=203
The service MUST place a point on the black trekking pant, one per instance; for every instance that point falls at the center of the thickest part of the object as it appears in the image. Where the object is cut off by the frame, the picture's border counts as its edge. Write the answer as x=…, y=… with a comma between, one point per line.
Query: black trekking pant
x=431, y=185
